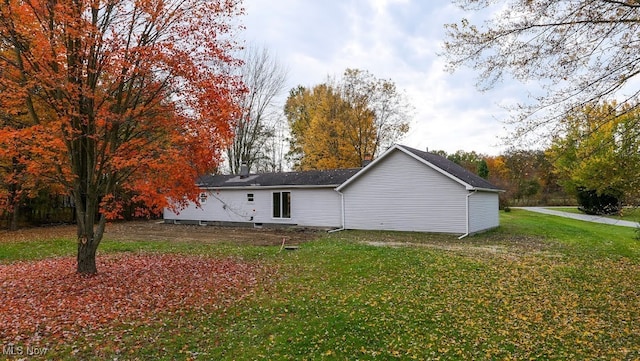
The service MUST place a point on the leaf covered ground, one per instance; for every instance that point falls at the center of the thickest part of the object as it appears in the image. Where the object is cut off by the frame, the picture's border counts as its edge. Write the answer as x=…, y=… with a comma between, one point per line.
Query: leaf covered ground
x=46, y=301
x=539, y=288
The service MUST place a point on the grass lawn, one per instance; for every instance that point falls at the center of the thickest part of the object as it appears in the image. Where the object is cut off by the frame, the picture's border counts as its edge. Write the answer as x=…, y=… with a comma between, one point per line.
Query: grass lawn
x=628, y=214
x=539, y=287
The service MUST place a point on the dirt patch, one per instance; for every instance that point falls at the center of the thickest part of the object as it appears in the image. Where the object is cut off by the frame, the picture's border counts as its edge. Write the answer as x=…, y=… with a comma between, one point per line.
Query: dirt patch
x=158, y=231
x=494, y=250
x=508, y=248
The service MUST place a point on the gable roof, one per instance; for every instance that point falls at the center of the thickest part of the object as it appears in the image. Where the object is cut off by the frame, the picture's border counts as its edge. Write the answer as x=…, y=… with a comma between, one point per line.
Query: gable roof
x=340, y=178
x=452, y=168
x=312, y=178
x=442, y=165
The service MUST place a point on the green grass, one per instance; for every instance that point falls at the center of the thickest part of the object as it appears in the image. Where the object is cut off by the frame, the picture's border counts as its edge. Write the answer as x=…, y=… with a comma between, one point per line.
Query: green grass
x=36, y=249
x=578, y=238
x=539, y=287
x=628, y=214
x=58, y=247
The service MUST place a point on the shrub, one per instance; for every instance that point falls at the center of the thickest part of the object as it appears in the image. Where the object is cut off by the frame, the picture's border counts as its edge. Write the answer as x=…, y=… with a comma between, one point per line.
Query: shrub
x=592, y=202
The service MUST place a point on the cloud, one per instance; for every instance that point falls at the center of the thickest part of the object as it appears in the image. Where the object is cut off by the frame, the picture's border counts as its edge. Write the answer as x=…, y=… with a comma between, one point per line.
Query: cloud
x=393, y=39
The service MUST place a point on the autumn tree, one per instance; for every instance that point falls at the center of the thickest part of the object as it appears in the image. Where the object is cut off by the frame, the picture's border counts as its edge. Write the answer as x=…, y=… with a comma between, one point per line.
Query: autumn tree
x=340, y=123
x=316, y=119
x=121, y=97
x=12, y=183
x=14, y=179
x=577, y=51
x=377, y=114
x=17, y=183
x=598, y=152
x=257, y=125
x=499, y=175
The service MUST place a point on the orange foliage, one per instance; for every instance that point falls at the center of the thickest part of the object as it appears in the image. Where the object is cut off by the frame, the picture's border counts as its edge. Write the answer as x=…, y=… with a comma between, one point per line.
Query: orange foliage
x=121, y=98
x=118, y=96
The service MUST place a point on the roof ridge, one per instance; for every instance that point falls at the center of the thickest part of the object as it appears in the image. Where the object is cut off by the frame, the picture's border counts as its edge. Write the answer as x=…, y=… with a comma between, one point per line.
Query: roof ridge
x=458, y=171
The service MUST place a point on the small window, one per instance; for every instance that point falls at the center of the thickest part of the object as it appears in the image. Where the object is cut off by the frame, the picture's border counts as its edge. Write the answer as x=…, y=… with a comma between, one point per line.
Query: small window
x=282, y=205
x=203, y=198
x=249, y=197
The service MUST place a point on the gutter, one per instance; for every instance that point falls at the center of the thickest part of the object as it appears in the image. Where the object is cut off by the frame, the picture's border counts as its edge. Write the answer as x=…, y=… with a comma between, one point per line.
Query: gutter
x=467, y=212
x=486, y=190
x=343, y=216
x=257, y=186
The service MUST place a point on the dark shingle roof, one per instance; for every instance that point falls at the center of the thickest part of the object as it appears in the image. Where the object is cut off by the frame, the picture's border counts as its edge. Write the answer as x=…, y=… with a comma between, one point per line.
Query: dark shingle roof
x=307, y=178
x=452, y=168
x=335, y=177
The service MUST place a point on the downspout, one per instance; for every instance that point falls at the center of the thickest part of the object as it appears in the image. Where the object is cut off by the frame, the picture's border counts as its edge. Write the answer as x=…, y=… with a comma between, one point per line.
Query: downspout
x=467, y=212
x=343, y=217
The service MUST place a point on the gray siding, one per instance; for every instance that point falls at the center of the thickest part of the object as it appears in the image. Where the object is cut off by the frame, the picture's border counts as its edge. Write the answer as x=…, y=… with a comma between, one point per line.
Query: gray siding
x=316, y=207
x=401, y=193
x=312, y=207
x=483, y=211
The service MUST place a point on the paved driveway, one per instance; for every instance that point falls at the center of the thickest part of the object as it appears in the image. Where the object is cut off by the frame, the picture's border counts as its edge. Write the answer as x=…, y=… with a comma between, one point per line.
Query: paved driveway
x=582, y=217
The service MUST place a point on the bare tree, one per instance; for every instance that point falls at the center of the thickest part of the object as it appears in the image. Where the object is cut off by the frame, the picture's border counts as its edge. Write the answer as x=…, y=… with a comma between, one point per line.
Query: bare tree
x=276, y=147
x=380, y=100
x=257, y=128
x=578, y=51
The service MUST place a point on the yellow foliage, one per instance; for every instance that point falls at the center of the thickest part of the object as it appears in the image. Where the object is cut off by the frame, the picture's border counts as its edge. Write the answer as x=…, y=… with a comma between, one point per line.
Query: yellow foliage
x=338, y=126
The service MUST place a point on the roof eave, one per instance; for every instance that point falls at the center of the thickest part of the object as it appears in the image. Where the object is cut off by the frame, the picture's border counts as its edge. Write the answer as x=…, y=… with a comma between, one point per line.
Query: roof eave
x=479, y=189
x=254, y=187
x=437, y=169
x=365, y=169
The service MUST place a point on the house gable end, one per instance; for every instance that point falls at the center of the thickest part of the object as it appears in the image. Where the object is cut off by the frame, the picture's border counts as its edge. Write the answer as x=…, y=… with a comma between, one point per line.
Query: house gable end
x=440, y=164
x=400, y=193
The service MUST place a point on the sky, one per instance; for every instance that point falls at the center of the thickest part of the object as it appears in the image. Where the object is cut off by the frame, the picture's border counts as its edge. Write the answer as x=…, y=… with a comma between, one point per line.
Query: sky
x=397, y=40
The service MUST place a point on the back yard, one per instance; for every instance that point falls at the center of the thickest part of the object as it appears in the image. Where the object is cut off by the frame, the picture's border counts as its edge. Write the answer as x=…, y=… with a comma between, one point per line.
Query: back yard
x=540, y=287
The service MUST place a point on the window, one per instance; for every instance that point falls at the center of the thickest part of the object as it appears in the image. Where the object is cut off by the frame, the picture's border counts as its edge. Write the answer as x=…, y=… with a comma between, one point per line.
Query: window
x=249, y=197
x=282, y=205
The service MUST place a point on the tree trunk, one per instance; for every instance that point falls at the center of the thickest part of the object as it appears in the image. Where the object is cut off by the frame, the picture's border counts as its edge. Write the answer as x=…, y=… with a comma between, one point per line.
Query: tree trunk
x=13, y=225
x=89, y=238
x=87, y=256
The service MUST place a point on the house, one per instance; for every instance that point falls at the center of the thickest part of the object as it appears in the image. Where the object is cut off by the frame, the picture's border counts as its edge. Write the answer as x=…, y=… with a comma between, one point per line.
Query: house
x=404, y=189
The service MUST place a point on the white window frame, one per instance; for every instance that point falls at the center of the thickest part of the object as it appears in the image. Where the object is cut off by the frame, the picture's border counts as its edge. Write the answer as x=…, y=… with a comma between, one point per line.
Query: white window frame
x=281, y=211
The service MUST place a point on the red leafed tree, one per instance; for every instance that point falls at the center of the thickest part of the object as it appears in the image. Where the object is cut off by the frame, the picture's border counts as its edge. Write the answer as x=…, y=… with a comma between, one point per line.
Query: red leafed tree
x=119, y=97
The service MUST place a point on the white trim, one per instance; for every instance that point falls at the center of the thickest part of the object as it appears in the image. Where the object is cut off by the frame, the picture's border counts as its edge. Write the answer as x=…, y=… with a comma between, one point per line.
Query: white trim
x=488, y=190
x=281, y=204
x=340, y=187
x=400, y=148
x=438, y=169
